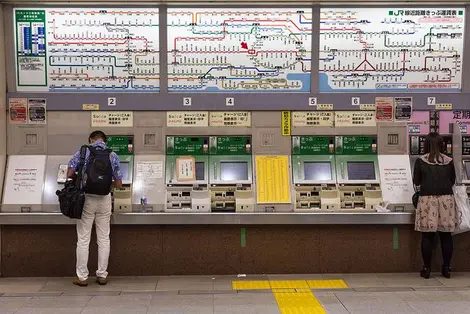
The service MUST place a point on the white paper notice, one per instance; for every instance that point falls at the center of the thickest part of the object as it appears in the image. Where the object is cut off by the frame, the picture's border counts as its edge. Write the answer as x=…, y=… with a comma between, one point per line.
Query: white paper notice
x=24, y=180
x=149, y=170
x=148, y=174
x=395, y=178
x=185, y=169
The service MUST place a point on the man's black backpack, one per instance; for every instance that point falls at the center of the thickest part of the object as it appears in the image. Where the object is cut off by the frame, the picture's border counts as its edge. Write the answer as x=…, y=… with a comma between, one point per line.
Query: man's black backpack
x=99, y=172
x=72, y=196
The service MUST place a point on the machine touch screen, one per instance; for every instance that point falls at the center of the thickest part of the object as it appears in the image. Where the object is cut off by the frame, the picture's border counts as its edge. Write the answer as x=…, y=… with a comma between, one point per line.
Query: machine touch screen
x=318, y=171
x=361, y=170
x=233, y=171
x=124, y=166
x=199, y=171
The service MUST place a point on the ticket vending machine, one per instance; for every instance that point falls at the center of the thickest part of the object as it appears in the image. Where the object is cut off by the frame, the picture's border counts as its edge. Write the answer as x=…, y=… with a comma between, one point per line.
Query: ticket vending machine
x=417, y=147
x=231, y=174
x=358, y=172
x=123, y=146
x=314, y=173
x=187, y=163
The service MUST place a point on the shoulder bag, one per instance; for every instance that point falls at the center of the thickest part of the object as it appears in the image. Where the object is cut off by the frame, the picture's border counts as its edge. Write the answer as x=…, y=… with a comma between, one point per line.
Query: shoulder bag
x=72, y=196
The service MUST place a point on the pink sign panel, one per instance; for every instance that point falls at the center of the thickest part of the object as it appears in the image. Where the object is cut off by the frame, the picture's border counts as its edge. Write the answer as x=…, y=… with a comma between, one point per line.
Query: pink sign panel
x=461, y=117
x=419, y=123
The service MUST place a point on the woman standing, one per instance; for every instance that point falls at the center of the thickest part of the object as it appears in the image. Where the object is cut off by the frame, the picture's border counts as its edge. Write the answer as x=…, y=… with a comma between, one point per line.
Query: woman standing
x=436, y=212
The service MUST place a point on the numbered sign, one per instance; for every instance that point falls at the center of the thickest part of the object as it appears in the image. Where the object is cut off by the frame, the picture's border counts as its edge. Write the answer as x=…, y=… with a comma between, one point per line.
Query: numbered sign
x=312, y=101
x=187, y=101
x=111, y=101
x=355, y=101
x=230, y=101
x=431, y=101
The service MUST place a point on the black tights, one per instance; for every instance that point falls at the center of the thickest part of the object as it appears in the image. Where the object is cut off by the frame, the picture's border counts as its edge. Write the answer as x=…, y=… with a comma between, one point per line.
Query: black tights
x=427, y=245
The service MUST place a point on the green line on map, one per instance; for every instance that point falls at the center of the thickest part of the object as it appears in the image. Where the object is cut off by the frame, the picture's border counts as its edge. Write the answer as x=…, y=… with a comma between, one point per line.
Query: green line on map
x=243, y=237
x=395, y=238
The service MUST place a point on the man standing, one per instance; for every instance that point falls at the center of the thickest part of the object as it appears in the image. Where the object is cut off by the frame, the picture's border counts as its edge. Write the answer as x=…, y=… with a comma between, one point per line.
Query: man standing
x=101, y=172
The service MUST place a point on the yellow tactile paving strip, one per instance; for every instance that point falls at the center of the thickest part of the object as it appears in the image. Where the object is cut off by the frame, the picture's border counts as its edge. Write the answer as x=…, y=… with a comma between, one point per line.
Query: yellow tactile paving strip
x=327, y=284
x=251, y=285
x=293, y=296
x=299, y=302
x=289, y=284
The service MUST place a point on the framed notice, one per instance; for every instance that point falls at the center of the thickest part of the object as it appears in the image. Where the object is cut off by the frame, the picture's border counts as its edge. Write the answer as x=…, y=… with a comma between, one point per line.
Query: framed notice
x=384, y=108
x=37, y=110
x=17, y=110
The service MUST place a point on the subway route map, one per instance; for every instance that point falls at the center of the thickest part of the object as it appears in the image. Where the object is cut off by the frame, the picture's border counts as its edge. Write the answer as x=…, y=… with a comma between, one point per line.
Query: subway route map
x=73, y=49
x=380, y=49
x=239, y=50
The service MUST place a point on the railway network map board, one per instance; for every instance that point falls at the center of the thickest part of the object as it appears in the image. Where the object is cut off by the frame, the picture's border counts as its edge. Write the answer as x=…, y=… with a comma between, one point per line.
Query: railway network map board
x=239, y=50
x=87, y=50
x=380, y=49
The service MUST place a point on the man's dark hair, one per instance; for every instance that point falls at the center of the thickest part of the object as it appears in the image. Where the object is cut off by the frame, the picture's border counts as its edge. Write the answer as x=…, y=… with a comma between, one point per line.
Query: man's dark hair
x=98, y=135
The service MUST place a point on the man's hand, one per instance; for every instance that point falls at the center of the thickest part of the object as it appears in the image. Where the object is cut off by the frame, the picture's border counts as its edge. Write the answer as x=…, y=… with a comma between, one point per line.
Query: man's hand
x=117, y=184
x=71, y=173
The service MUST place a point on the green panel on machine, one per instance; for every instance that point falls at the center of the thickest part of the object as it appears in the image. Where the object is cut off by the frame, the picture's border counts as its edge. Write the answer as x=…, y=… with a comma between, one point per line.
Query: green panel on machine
x=230, y=145
x=121, y=145
x=313, y=145
x=356, y=145
x=187, y=145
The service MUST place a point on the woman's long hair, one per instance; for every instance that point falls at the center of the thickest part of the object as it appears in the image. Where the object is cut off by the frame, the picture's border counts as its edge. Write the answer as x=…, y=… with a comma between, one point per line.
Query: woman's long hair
x=434, y=145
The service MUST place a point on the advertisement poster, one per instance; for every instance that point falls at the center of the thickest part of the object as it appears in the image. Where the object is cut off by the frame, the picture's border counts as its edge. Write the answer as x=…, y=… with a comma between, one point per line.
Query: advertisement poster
x=384, y=109
x=37, y=110
x=403, y=108
x=17, y=110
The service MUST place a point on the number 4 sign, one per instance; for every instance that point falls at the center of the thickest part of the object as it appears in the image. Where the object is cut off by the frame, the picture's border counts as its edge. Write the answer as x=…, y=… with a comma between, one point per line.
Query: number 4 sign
x=229, y=101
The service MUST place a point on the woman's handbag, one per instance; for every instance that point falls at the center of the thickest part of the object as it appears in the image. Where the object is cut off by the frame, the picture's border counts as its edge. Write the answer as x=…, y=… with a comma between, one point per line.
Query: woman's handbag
x=462, y=208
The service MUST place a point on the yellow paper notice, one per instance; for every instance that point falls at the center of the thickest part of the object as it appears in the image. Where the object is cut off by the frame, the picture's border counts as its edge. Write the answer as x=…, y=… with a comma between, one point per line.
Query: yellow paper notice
x=185, y=169
x=272, y=177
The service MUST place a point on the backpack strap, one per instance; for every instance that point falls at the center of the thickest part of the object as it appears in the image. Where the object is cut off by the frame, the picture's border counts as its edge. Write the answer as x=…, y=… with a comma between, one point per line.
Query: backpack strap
x=81, y=164
x=81, y=161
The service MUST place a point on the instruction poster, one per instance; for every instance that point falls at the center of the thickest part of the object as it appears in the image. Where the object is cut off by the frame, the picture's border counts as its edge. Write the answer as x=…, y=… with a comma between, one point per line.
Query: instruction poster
x=17, y=108
x=37, y=110
x=272, y=174
x=403, y=108
x=24, y=180
x=384, y=108
x=395, y=177
x=148, y=174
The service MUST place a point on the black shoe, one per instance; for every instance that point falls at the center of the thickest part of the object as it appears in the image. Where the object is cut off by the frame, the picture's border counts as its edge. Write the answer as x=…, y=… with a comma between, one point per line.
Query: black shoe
x=425, y=272
x=446, y=272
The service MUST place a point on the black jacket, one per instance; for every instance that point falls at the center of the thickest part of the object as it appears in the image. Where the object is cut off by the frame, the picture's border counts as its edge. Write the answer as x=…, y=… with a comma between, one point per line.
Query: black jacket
x=434, y=179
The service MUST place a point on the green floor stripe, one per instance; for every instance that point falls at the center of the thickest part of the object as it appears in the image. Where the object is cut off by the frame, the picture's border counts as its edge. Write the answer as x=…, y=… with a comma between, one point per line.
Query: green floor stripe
x=395, y=238
x=243, y=237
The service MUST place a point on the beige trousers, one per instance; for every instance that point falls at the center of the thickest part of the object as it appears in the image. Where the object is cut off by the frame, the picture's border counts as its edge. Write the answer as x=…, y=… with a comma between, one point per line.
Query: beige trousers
x=97, y=209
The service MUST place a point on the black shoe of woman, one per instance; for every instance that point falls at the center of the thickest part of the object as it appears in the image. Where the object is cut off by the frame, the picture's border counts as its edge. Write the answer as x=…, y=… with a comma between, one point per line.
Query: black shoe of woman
x=425, y=272
x=446, y=272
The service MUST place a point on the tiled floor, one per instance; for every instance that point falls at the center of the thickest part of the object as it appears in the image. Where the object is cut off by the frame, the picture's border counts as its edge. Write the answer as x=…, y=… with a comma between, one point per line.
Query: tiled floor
x=366, y=293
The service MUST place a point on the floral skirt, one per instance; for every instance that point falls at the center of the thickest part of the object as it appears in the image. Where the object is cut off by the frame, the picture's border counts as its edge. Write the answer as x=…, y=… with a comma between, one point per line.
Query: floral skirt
x=436, y=213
